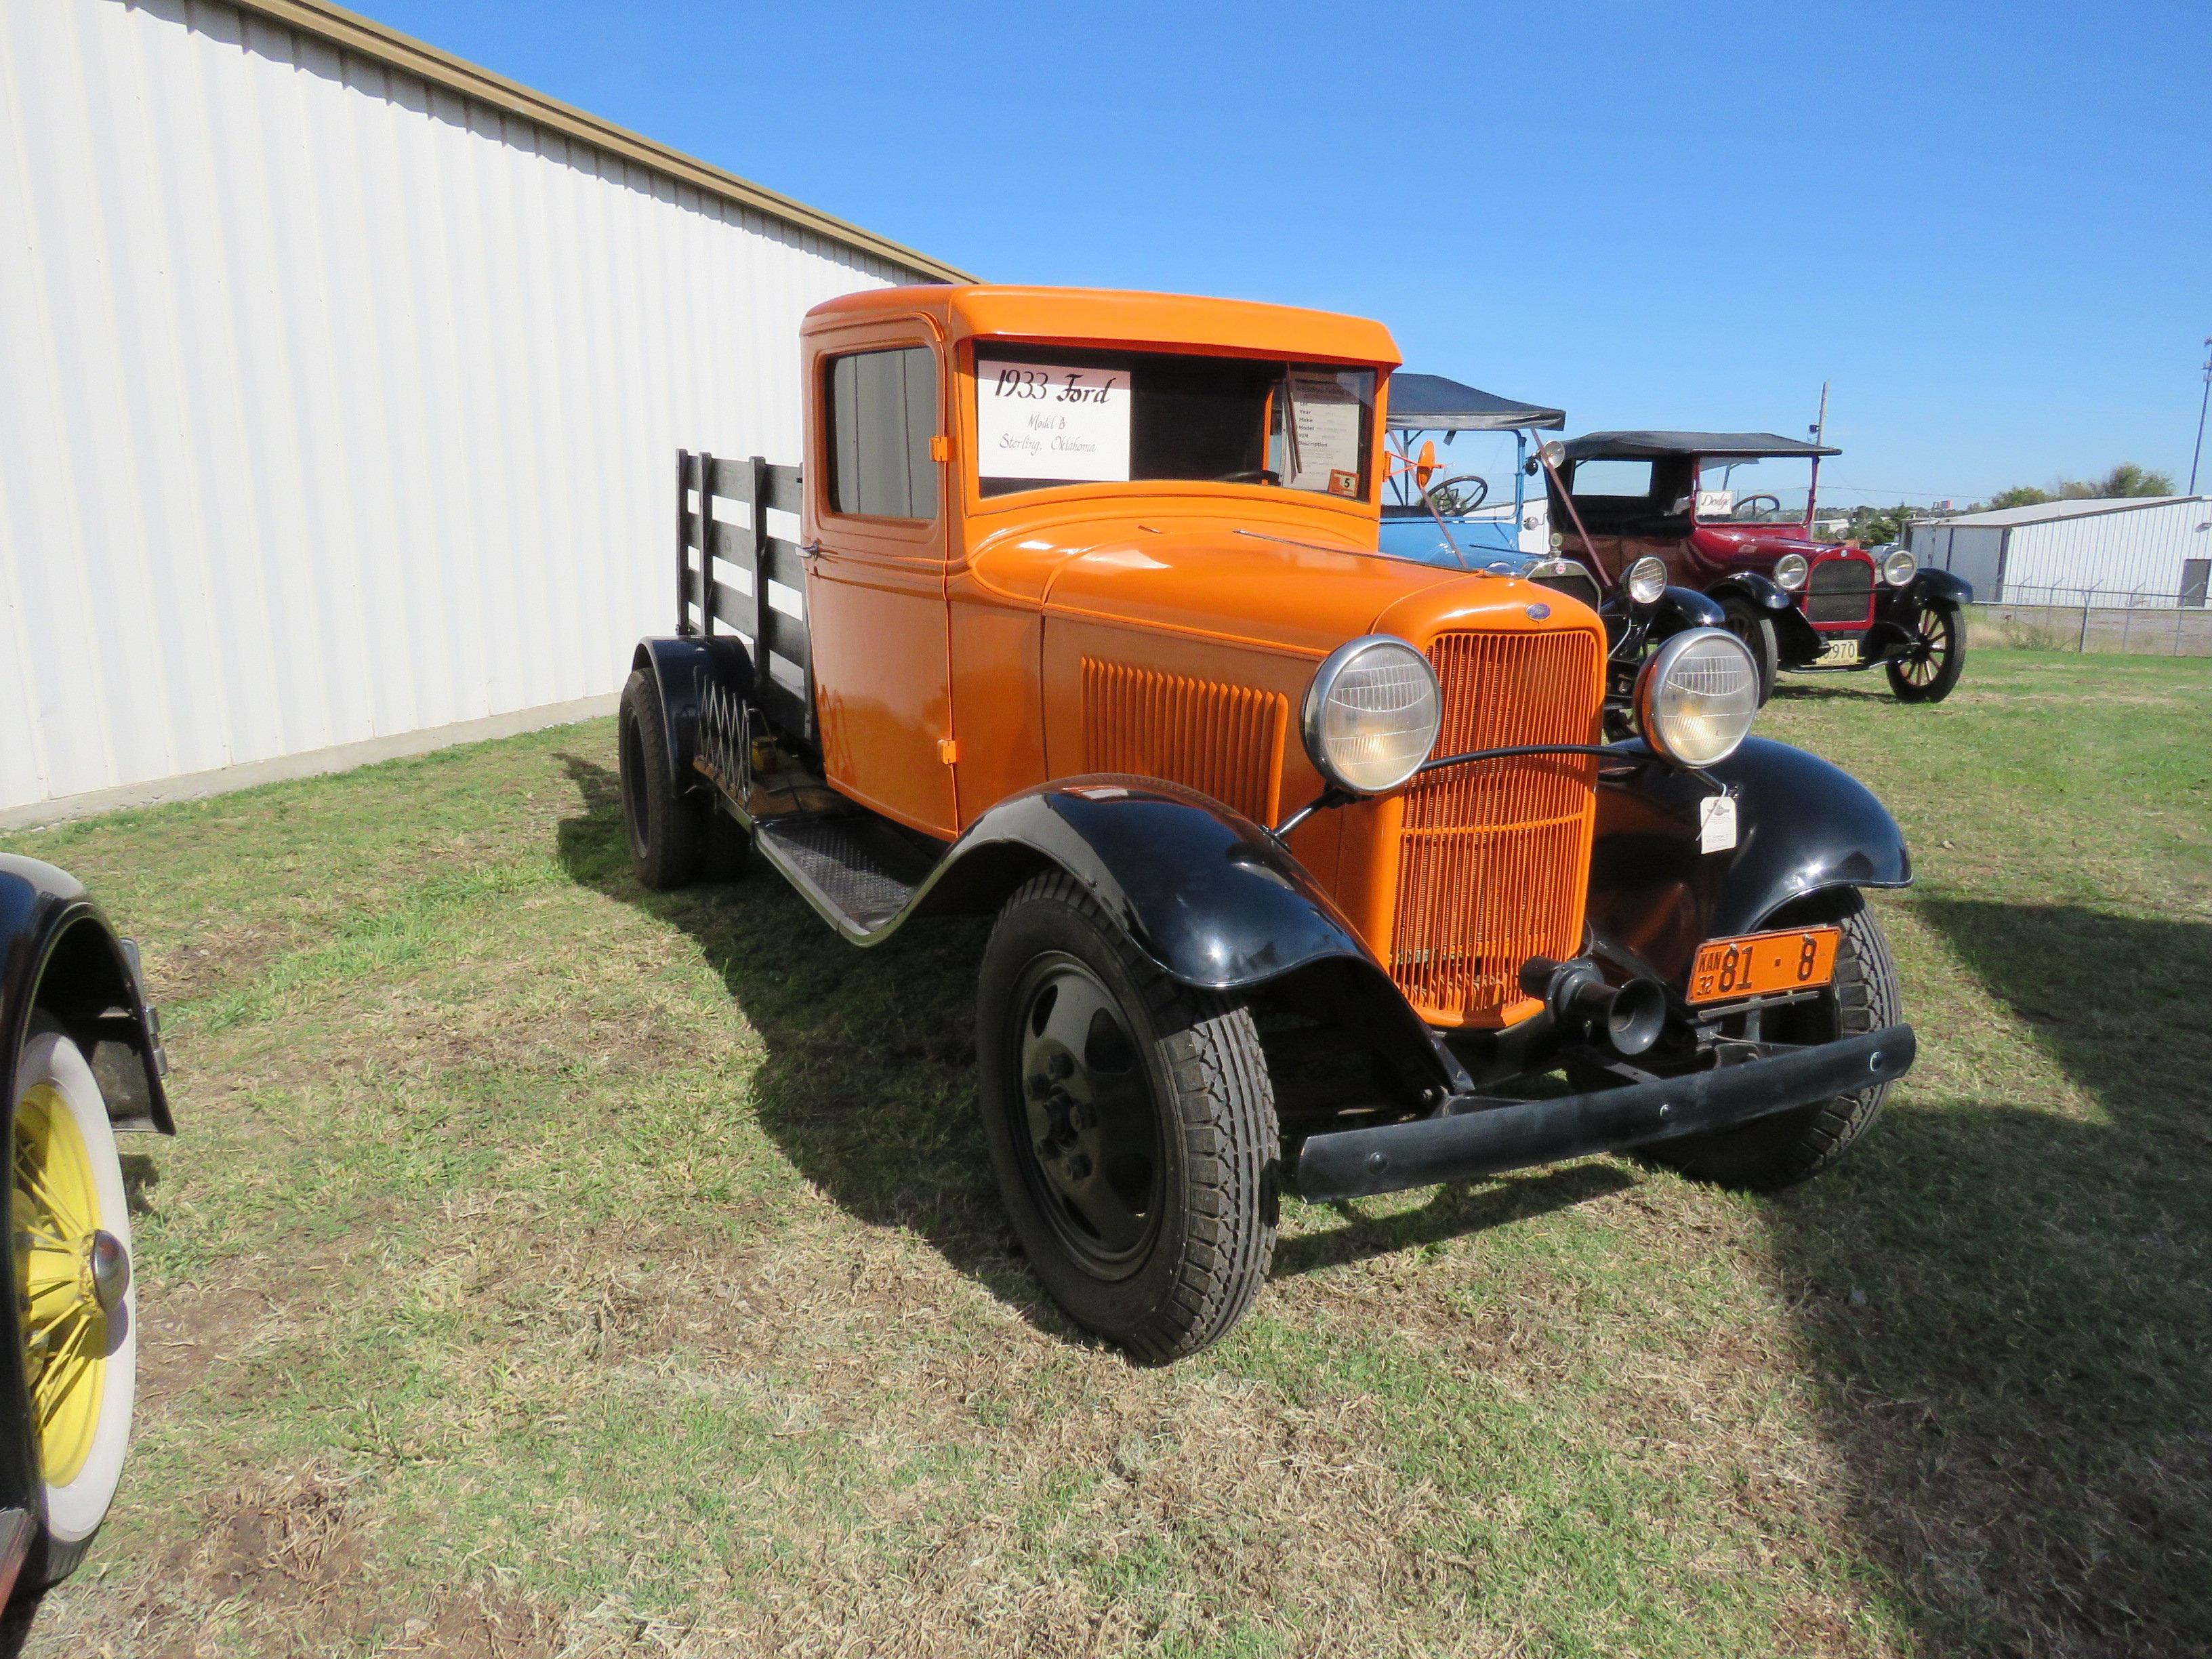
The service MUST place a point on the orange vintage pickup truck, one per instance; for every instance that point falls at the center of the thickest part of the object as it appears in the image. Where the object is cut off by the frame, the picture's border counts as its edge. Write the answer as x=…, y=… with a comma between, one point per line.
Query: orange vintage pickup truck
x=1310, y=868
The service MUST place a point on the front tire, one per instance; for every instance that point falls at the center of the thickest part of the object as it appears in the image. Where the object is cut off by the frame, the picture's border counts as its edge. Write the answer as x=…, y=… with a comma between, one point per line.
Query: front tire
x=76, y=1300
x=1756, y=629
x=1934, y=659
x=1132, y=1125
x=1793, y=1146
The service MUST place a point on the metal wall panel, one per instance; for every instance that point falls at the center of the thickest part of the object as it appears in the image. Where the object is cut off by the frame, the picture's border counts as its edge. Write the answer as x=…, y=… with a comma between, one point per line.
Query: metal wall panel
x=2140, y=549
x=333, y=406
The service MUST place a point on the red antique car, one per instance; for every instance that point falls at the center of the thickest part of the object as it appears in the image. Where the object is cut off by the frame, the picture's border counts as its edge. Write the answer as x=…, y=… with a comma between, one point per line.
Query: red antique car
x=1730, y=513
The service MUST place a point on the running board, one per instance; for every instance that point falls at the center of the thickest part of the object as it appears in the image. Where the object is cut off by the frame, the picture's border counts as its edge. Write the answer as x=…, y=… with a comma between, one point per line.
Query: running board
x=858, y=871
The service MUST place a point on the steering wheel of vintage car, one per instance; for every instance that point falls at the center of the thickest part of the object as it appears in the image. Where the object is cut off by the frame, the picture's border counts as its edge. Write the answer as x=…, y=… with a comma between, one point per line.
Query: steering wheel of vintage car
x=1459, y=494
x=1252, y=474
x=1745, y=507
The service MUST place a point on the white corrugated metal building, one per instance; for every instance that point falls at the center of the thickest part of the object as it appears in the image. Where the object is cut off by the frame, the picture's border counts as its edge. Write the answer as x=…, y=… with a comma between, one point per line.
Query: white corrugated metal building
x=2158, y=548
x=341, y=384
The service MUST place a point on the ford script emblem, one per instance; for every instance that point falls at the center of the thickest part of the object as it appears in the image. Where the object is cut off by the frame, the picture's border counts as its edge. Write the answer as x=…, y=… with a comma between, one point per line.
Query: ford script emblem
x=1538, y=612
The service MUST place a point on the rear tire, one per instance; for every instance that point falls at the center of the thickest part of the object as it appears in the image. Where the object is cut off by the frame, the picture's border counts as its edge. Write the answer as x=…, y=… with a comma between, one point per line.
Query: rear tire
x=1939, y=656
x=1132, y=1125
x=666, y=829
x=1792, y=1147
x=1746, y=621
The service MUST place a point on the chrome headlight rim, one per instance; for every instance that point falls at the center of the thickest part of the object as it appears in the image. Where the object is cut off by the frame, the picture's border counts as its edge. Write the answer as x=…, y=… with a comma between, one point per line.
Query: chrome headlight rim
x=1791, y=572
x=1898, y=567
x=1644, y=581
x=1326, y=677
x=1658, y=666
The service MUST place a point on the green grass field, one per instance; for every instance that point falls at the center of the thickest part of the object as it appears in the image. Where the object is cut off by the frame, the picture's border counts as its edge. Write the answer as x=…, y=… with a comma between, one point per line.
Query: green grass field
x=546, y=1267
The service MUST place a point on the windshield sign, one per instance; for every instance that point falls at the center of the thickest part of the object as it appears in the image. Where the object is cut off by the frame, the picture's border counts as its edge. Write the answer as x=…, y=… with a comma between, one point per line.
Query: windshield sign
x=1071, y=415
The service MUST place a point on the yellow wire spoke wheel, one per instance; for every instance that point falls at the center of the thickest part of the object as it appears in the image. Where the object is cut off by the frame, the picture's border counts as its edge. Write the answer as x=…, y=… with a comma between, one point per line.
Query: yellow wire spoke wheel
x=57, y=1239
x=76, y=1309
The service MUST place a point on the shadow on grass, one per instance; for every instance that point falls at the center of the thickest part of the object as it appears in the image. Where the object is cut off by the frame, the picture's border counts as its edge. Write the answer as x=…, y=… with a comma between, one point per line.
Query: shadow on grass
x=868, y=1083
x=2024, y=1397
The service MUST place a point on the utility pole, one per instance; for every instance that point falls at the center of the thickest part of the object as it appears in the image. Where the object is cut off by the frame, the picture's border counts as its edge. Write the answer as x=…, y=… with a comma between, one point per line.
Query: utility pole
x=2197, y=454
x=1820, y=433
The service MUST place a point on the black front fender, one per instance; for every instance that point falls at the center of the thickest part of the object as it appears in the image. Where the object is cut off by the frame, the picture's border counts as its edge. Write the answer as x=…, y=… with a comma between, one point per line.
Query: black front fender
x=1209, y=897
x=1927, y=587
x=1803, y=826
x=1758, y=590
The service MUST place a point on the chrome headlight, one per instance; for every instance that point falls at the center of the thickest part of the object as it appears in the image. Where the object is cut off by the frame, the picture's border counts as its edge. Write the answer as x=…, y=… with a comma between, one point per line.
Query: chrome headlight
x=1792, y=570
x=1372, y=715
x=1697, y=696
x=1898, y=568
x=1647, y=580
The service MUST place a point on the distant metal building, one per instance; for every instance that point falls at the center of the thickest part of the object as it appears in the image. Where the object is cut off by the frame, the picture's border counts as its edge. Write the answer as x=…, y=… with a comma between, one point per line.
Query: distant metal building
x=2157, y=548
x=340, y=384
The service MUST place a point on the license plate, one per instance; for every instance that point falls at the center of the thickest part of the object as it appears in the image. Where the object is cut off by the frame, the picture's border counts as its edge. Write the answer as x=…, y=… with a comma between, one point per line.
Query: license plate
x=1758, y=964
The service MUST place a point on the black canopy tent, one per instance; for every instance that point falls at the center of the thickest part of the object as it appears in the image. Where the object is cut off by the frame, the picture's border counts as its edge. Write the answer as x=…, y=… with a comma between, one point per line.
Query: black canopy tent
x=1429, y=403
x=1664, y=445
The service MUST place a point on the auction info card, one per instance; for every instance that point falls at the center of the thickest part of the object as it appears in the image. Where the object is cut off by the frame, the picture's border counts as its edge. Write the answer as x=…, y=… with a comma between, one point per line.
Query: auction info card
x=1325, y=433
x=1047, y=421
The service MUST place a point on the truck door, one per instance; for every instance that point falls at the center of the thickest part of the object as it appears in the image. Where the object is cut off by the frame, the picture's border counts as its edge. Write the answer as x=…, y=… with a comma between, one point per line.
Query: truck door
x=875, y=597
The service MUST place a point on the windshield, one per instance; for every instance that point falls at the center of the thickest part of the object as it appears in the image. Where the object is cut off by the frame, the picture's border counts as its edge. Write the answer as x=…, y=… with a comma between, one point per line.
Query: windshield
x=1046, y=415
x=1771, y=492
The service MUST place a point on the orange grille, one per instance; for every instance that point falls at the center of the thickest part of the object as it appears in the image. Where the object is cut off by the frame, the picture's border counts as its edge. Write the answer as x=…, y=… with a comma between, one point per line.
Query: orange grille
x=1225, y=740
x=1493, y=858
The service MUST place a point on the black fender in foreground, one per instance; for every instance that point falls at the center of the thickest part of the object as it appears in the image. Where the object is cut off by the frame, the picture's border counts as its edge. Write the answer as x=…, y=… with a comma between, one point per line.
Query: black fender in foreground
x=1211, y=899
x=682, y=670
x=1803, y=826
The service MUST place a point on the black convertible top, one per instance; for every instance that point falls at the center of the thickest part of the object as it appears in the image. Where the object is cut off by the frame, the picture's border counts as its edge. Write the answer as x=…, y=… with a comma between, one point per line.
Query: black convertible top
x=1429, y=403
x=1658, y=446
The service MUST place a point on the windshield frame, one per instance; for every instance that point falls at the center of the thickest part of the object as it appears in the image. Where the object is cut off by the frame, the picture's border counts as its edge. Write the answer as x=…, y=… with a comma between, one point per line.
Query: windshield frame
x=974, y=349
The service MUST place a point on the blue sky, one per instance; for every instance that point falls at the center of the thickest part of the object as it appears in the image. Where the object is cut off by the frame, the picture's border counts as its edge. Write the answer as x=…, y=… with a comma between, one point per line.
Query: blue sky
x=1989, y=227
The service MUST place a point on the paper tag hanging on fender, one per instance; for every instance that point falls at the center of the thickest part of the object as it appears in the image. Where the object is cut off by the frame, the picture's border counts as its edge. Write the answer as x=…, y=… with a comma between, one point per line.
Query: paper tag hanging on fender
x=1716, y=823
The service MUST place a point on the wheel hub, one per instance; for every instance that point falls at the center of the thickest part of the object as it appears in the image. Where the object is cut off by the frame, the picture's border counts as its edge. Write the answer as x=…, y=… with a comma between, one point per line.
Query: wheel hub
x=1090, y=1126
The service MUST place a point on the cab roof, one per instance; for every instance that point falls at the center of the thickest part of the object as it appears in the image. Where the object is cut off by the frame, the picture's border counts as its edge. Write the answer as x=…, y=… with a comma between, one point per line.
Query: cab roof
x=1660, y=445
x=1120, y=317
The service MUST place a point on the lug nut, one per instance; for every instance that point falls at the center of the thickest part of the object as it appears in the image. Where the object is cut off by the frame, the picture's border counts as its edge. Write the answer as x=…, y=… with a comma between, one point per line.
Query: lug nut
x=1078, y=1115
x=1060, y=1065
x=1079, y=1167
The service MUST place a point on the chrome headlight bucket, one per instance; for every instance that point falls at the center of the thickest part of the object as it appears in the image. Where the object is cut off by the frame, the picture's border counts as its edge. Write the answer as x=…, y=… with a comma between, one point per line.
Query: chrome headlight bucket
x=1792, y=571
x=1898, y=566
x=1646, y=579
x=1372, y=715
x=1697, y=696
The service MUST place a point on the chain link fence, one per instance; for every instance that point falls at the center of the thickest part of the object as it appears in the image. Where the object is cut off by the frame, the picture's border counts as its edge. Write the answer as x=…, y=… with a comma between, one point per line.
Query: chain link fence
x=2095, y=619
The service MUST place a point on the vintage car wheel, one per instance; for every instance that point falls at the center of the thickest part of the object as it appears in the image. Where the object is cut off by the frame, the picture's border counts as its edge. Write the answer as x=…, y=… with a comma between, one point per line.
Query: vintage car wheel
x=1744, y=621
x=667, y=831
x=1132, y=1125
x=1936, y=658
x=1793, y=1146
x=76, y=1306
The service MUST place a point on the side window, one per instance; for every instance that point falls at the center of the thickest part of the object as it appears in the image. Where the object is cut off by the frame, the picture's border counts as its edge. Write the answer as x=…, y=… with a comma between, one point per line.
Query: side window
x=883, y=412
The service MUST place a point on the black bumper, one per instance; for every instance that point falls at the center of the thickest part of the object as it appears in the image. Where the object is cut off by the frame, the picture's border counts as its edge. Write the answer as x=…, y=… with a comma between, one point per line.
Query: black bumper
x=1490, y=1139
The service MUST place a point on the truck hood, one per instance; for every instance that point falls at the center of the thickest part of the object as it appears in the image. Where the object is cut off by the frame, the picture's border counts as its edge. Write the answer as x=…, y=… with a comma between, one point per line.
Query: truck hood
x=1283, y=588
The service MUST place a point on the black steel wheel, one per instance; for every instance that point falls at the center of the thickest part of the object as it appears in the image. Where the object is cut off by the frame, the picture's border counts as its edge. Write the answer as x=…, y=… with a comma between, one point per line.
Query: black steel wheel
x=1131, y=1124
x=1934, y=657
x=1756, y=629
x=1793, y=1146
x=665, y=828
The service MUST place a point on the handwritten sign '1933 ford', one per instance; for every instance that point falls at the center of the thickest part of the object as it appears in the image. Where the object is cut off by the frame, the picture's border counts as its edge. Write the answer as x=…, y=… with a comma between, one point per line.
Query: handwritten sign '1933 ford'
x=1309, y=866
